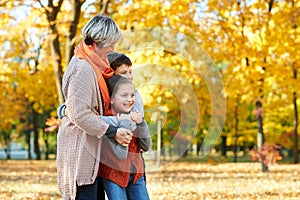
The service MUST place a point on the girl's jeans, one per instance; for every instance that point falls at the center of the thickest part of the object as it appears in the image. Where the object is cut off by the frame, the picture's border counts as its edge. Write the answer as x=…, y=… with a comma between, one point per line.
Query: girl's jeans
x=137, y=191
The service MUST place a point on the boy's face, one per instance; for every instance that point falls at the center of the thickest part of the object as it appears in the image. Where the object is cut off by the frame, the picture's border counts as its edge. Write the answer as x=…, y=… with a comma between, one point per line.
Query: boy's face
x=122, y=100
x=125, y=71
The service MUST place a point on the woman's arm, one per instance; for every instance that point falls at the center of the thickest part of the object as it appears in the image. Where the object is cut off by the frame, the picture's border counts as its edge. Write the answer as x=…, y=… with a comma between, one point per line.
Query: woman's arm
x=61, y=113
x=83, y=98
x=81, y=94
x=120, y=151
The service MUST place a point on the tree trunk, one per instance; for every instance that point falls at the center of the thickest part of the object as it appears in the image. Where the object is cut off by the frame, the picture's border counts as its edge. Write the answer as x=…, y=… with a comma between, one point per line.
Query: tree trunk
x=103, y=5
x=76, y=7
x=36, y=147
x=51, y=12
x=47, y=149
x=236, y=114
x=27, y=138
x=7, y=152
x=258, y=105
x=55, y=52
x=6, y=139
x=223, y=145
x=295, y=149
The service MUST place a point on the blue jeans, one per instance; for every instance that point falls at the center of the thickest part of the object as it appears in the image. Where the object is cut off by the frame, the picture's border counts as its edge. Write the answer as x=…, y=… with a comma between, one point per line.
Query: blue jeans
x=93, y=191
x=137, y=191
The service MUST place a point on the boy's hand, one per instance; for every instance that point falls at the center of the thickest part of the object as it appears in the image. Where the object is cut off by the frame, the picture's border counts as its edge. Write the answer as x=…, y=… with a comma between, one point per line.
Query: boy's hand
x=123, y=117
x=136, y=117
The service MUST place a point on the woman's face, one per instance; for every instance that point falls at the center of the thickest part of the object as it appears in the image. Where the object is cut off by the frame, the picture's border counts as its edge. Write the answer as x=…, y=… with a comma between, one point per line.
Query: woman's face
x=123, y=98
x=125, y=71
x=103, y=51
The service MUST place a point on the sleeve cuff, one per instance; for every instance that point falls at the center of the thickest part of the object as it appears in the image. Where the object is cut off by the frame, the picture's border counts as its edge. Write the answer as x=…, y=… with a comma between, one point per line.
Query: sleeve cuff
x=142, y=123
x=61, y=111
x=111, y=131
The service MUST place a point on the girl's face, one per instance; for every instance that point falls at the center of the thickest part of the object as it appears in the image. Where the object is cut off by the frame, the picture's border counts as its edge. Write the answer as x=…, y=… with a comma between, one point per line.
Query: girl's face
x=122, y=100
x=125, y=71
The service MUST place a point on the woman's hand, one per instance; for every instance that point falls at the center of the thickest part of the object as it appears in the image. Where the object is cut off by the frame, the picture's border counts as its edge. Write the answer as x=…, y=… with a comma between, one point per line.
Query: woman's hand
x=123, y=136
x=136, y=117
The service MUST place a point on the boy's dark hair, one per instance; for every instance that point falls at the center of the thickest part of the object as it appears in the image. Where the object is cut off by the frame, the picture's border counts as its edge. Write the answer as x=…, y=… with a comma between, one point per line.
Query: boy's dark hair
x=118, y=59
x=114, y=82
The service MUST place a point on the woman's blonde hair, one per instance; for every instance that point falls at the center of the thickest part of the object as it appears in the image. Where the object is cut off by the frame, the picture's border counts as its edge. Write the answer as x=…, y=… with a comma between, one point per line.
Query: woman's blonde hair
x=102, y=30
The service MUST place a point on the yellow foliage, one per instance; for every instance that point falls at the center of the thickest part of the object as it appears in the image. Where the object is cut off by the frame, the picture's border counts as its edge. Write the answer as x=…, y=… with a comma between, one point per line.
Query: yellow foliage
x=257, y=52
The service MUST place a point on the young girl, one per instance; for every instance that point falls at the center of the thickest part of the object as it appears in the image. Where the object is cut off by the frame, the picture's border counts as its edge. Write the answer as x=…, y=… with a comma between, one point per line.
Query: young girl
x=121, y=65
x=124, y=178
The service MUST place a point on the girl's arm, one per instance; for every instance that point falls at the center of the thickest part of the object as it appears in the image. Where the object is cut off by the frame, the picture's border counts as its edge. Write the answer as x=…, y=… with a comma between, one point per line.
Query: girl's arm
x=144, y=138
x=138, y=104
x=143, y=135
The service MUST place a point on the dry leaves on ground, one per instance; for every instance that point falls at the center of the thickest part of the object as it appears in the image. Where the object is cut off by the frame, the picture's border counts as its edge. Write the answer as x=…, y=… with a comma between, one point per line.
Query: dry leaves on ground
x=171, y=181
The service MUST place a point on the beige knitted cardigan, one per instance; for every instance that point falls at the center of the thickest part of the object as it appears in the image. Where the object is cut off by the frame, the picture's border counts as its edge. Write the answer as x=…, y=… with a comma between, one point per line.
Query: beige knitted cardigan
x=80, y=134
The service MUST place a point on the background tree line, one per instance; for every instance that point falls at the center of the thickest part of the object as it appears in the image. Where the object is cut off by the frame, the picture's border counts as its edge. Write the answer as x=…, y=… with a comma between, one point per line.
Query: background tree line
x=254, y=44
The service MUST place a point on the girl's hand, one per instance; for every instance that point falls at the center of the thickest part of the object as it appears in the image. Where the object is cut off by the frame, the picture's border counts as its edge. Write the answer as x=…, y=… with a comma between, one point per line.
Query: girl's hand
x=136, y=117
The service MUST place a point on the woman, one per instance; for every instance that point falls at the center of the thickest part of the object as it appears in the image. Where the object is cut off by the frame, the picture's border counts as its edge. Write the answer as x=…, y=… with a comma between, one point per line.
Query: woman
x=80, y=134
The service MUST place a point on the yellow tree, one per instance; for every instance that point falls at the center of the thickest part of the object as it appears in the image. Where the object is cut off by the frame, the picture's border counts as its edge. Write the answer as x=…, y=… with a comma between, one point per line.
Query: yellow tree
x=37, y=57
x=177, y=16
x=50, y=29
x=11, y=100
x=23, y=59
x=258, y=42
x=243, y=29
x=11, y=106
x=51, y=10
x=284, y=56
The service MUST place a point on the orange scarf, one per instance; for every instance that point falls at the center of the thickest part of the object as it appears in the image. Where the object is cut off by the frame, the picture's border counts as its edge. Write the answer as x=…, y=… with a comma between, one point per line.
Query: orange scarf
x=101, y=68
